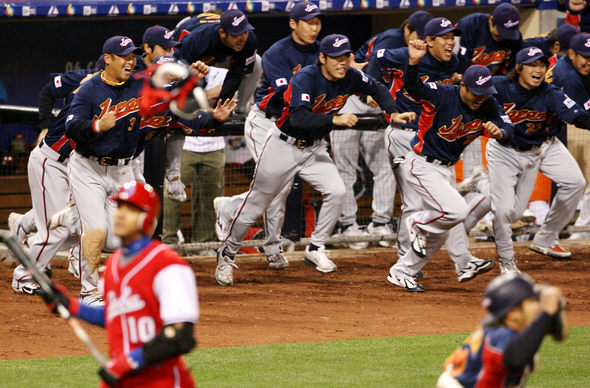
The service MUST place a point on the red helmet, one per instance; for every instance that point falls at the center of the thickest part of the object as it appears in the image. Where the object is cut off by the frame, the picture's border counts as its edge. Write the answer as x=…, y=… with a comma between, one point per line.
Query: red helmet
x=144, y=197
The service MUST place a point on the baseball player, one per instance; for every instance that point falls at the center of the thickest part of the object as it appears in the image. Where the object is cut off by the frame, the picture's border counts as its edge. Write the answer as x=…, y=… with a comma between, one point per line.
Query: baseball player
x=555, y=43
x=439, y=65
x=157, y=42
x=151, y=303
x=226, y=41
x=279, y=63
x=531, y=103
x=452, y=117
x=570, y=74
x=348, y=144
x=412, y=28
x=502, y=353
x=490, y=40
x=295, y=146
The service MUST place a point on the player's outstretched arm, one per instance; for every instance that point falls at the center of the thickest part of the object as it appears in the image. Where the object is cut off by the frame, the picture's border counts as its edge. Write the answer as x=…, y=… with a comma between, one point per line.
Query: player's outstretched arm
x=174, y=340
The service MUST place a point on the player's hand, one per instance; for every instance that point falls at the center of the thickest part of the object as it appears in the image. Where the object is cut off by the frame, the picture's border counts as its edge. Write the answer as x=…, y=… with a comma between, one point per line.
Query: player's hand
x=107, y=121
x=371, y=102
x=118, y=367
x=358, y=65
x=222, y=111
x=402, y=118
x=175, y=189
x=348, y=120
x=456, y=78
x=416, y=50
x=61, y=296
x=493, y=130
x=549, y=299
x=200, y=69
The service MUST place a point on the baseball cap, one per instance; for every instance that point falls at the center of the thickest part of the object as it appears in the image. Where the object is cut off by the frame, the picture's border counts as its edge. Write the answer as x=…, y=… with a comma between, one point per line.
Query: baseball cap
x=120, y=45
x=335, y=45
x=234, y=22
x=478, y=80
x=504, y=293
x=440, y=26
x=529, y=55
x=305, y=11
x=580, y=43
x=507, y=21
x=564, y=35
x=418, y=20
x=160, y=36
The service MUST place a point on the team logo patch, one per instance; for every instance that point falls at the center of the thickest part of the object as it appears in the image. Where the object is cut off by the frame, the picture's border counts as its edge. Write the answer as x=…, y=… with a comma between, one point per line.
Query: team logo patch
x=305, y=97
x=168, y=35
x=237, y=20
x=69, y=117
x=445, y=23
x=339, y=42
x=587, y=44
x=57, y=81
x=281, y=82
x=482, y=80
x=310, y=7
x=432, y=85
x=569, y=102
x=534, y=51
x=511, y=24
x=125, y=42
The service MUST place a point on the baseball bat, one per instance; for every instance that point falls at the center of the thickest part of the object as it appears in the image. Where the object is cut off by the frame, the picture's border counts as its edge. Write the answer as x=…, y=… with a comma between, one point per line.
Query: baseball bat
x=47, y=286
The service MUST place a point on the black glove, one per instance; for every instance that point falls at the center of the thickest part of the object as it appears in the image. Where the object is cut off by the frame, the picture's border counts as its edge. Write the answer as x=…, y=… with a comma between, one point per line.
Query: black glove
x=61, y=296
x=110, y=379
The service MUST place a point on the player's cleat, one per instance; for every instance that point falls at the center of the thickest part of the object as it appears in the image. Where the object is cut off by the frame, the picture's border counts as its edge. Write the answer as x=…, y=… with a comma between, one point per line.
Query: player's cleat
x=469, y=184
x=381, y=230
x=417, y=238
x=58, y=219
x=16, y=228
x=406, y=282
x=354, y=231
x=224, y=272
x=473, y=268
x=508, y=265
x=419, y=276
x=553, y=251
x=26, y=286
x=92, y=299
x=319, y=260
x=277, y=261
x=222, y=221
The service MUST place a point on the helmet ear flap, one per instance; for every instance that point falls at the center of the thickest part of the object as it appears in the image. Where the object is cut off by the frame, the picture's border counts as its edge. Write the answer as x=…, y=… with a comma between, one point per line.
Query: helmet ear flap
x=141, y=221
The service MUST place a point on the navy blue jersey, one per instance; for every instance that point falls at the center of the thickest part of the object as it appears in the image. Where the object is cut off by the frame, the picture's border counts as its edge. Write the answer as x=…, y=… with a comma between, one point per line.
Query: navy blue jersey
x=479, y=48
x=564, y=76
x=541, y=42
x=390, y=66
x=203, y=44
x=91, y=102
x=447, y=125
x=311, y=93
x=388, y=39
x=283, y=59
x=532, y=111
x=62, y=84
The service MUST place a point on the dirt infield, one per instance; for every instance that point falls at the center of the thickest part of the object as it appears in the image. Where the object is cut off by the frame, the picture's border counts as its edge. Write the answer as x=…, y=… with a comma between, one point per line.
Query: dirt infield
x=299, y=304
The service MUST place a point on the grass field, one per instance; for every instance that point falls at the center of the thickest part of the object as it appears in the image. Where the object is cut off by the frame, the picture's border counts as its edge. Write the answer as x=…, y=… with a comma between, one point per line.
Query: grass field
x=383, y=362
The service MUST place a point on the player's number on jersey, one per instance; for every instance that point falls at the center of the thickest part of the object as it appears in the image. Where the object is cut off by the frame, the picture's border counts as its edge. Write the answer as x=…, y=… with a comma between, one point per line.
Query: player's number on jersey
x=131, y=123
x=141, y=330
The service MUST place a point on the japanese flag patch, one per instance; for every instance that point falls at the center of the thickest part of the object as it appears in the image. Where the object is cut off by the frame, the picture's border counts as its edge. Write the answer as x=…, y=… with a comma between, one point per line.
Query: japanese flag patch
x=380, y=53
x=57, y=81
x=281, y=82
x=587, y=105
x=305, y=97
x=432, y=85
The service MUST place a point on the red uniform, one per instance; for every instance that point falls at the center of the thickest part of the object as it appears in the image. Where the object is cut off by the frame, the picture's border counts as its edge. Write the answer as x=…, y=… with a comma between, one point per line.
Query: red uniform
x=154, y=289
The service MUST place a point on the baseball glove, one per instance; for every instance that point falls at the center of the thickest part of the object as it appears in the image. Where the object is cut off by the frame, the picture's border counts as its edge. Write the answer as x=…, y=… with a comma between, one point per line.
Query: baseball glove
x=558, y=329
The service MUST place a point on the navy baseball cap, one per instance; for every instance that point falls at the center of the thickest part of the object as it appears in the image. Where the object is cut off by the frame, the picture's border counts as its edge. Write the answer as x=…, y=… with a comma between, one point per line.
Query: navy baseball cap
x=160, y=36
x=120, y=45
x=234, y=22
x=335, y=45
x=529, y=55
x=564, y=35
x=418, y=20
x=305, y=11
x=507, y=20
x=478, y=80
x=504, y=293
x=439, y=27
x=580, y=43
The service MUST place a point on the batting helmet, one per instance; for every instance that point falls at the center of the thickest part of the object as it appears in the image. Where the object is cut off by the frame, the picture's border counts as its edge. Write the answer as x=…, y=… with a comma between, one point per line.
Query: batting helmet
x=504, y=293
x=145, y=198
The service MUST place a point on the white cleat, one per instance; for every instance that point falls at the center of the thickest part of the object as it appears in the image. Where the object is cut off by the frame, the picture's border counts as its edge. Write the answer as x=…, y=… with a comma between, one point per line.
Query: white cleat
x=354, y=231
x=319, y=260
x=408, y=283
x=16, y=228
x=58, y=219
x=473, y=268
x=224, y=272
x=381, y=230
x=277, y=261
x=508, y=265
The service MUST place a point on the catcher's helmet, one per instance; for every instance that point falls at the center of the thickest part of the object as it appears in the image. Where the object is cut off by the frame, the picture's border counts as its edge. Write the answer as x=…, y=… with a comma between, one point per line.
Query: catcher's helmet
x=505, y=292
x=145, y=198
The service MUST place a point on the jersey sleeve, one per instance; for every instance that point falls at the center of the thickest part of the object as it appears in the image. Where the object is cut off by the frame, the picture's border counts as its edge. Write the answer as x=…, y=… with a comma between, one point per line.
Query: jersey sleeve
x=368, y=85
x=565, y=108
x=278, y=72
x=419, y=90
x=79, y=122
x=176, y=289
x=193, y=47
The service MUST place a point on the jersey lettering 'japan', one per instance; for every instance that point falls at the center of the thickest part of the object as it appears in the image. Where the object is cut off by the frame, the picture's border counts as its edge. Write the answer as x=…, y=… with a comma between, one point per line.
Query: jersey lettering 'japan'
x=480, y=57
x=459, y=129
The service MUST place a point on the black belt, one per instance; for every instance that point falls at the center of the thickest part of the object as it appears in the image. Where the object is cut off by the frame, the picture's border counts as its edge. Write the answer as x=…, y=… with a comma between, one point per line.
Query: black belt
x=61, y=158
x=299, y=143
x=430, y=159
x=107, y=160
